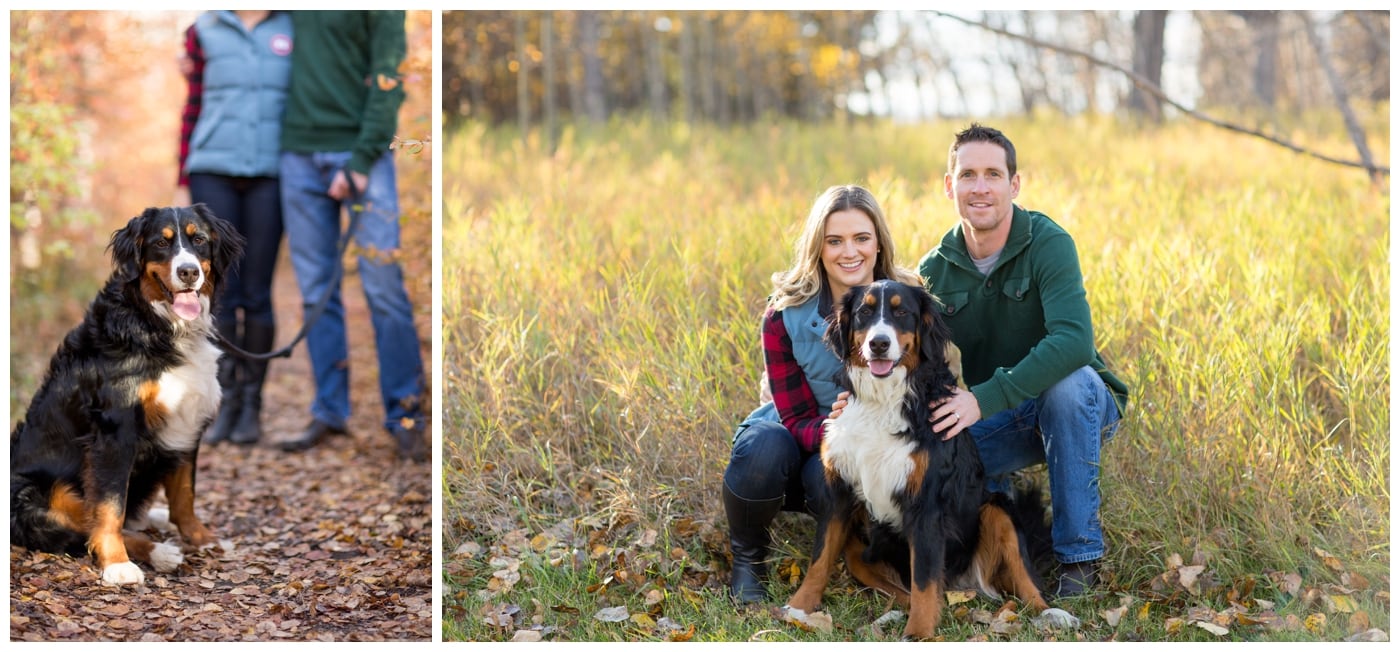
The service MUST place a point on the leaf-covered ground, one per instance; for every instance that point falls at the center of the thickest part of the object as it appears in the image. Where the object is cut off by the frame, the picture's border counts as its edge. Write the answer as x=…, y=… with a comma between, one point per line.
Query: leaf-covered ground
x=331, y=544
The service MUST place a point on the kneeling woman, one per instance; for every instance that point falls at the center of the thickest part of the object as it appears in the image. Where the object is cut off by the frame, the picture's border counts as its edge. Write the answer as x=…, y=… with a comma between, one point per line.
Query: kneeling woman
x=775, y=464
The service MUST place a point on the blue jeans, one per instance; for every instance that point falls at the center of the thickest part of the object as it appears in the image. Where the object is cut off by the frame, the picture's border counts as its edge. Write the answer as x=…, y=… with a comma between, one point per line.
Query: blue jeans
x=1063, y=427
x=313, y=233
x=253, y=205
x=767, y=463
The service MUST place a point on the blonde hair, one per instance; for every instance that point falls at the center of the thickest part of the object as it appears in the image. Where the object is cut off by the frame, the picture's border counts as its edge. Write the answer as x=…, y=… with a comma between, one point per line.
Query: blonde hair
x=807, y=276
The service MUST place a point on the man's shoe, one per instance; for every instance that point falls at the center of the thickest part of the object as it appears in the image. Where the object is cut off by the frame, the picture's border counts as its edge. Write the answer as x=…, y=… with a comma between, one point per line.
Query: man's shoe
x=1077, y=578
x=411, y=445
x=312, y=436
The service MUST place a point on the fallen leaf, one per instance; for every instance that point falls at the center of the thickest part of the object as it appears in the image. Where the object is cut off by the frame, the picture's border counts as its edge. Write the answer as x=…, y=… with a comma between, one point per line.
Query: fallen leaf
x=527, y=636
x=1315, y=623
x=612, y=614
x=817, y=621
x=1188, y=578
x=1371, y=636
x=681, y=637
x=1174, y=625
x=1114, y=616
x=1359, y=622
x=1212, y=628
x=1328, y=560
x=959, y=597
x=1340, y=604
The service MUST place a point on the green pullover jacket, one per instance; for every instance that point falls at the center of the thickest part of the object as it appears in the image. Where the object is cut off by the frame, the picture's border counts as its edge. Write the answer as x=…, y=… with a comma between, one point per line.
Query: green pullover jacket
x=1024, y=326
x=345, y=89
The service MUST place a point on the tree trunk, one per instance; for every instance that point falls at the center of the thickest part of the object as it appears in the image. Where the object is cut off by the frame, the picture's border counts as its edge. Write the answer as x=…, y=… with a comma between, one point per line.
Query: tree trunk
x=551, y=111
x=1339, y=93
x=1149, y=51
x=595, y=105
x=656, y=71
x=1264, y=25
x=522, y=81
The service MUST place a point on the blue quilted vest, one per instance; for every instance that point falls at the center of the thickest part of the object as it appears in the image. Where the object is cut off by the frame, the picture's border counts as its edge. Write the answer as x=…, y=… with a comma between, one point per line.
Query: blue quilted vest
x=806, y=328
x=245, y=89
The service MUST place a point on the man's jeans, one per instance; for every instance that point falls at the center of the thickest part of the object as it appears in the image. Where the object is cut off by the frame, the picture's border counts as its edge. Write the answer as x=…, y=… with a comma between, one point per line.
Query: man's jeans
x=1075, y=416
x=313, y=227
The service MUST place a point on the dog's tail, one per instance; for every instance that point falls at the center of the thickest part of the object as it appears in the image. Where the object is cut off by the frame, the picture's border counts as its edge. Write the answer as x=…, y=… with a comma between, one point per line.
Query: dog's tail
x=30, y=524
x=1026, y=507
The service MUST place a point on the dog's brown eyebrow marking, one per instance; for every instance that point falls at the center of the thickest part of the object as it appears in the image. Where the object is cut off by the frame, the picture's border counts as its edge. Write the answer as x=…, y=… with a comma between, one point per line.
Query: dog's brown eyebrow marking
x=894, y=301
x=168, y=232
x=869, y=299
x=190, y=228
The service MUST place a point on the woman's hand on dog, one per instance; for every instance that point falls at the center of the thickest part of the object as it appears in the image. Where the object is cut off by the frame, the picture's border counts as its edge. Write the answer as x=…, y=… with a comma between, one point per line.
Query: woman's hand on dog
x=955, y=413
x=839, y=405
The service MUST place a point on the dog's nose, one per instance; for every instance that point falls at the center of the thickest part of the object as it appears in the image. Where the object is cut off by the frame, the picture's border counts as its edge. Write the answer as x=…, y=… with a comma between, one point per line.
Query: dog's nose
x=880, y=344
x=188, y=273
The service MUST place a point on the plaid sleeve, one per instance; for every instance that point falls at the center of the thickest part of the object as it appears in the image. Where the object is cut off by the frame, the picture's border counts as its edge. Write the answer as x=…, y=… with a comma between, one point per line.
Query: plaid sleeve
x=796, y=404
x=194, y=75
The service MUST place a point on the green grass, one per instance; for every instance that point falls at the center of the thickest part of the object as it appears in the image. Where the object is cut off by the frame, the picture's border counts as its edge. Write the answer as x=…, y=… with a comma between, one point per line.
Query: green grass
x=600, y=339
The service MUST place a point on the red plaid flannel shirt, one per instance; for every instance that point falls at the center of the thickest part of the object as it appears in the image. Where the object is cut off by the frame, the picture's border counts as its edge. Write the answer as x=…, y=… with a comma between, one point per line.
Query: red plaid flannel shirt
x=796, y=404
x=194, y=74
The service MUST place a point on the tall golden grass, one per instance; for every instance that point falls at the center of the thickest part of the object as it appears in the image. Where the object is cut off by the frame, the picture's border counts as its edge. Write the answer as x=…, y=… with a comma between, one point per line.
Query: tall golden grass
x=601, y=309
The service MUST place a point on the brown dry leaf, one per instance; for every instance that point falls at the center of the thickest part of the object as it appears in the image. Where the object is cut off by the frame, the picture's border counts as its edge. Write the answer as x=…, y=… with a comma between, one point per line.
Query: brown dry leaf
x=1370, y=636
x=1006, y=623
x=1359, y=622
x=527, y=636
x=653, y=597
x=1355, y=582
x=644, y=622
x=817, y=621
x=1328, y=560
x=1188, y=576
x=681, y=637
x=1212, y=628
x=1174, y=625
x=1174, y=561
x=1114, y=616
x=1289, y=583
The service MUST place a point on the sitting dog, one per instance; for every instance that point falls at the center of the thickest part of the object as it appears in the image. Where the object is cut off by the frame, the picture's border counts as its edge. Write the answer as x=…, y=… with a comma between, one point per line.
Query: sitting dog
x=125, y=399
x=910, y=511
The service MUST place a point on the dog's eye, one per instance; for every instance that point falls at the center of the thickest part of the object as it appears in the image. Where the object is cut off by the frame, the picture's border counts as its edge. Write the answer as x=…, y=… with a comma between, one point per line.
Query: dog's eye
x=162, y=244
x=900, y=312
x=199, y=240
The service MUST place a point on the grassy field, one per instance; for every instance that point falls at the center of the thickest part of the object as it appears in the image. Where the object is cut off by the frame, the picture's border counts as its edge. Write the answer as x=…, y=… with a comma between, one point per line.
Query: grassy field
x=600, y=339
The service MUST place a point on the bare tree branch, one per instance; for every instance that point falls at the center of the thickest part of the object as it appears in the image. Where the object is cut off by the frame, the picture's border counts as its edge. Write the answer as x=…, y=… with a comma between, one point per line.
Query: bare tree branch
x=1358, y=137
x=1153, y=89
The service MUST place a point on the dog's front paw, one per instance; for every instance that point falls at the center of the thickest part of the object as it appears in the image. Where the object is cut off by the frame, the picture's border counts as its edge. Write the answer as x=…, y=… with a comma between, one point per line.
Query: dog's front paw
x=123, y=573
x=1057, y=619
x=166, y=558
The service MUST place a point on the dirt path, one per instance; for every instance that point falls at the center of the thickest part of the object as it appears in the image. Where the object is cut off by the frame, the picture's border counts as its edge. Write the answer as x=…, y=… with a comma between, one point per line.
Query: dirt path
x=331, y=544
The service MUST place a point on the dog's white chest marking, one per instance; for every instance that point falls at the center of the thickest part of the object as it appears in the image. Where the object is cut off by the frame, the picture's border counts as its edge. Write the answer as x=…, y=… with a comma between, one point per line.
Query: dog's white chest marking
x=864, y=444
x=190, y=394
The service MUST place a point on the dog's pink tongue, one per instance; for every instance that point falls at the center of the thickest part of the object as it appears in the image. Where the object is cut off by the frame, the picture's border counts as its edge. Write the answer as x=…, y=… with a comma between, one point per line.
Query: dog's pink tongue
x=881, y=367
x=187, y=306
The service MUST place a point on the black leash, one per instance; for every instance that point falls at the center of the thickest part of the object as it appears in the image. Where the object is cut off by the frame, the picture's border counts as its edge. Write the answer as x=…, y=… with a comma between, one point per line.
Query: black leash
x=356, y=210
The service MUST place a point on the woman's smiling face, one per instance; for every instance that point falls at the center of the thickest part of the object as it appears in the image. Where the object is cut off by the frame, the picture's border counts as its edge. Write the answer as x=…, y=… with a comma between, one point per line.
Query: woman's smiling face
x=849, y=250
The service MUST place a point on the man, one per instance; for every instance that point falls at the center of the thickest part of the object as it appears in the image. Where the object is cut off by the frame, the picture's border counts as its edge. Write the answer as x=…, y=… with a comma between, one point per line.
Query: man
x=1009, y=283
x=341, y=115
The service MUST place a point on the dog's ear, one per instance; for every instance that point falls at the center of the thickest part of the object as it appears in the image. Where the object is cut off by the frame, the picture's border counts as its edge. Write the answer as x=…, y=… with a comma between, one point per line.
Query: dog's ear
x=838, y=330
x=934, y=335
x=227, y=243
x=125, y=247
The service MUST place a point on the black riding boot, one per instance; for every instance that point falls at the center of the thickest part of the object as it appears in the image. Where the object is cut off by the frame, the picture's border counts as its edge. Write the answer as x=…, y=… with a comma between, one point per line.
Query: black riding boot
x=257, y=338
x=748, y=541
x=231, y=401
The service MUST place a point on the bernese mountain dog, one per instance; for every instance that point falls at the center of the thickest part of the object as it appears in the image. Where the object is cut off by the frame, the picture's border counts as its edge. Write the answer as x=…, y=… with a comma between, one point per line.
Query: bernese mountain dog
x=910, y=511
x=124, y=401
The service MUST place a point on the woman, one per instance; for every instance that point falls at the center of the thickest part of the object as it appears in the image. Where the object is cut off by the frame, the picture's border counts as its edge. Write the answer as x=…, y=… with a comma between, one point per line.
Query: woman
x=238, y=64
x=775, y=463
